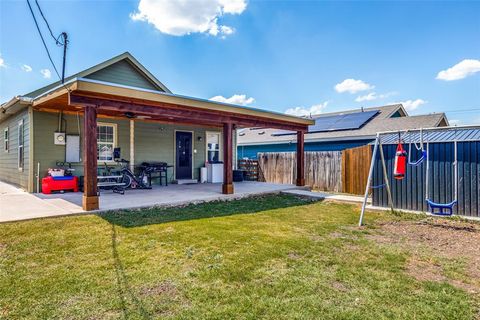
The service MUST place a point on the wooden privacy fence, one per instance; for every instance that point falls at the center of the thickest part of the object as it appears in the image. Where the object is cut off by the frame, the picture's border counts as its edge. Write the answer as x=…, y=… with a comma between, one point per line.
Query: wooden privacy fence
x=322, y=169
x=355, y=167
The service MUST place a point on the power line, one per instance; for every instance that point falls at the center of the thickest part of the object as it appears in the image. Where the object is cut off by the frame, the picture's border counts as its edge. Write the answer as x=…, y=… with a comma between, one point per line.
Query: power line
x=48, y=26
x=57, y=41
x=462, y=111
x=43, y=40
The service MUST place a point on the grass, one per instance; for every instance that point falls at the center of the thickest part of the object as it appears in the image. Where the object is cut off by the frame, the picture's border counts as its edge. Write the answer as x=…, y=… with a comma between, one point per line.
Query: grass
x=274, y=257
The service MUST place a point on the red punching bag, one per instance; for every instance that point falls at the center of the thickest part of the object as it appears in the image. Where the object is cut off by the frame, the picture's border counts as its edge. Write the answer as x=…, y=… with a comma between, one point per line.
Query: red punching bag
x=400, y=166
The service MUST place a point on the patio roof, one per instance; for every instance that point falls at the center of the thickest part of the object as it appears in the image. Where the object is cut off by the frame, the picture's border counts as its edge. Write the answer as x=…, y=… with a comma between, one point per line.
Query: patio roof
x=124, y=101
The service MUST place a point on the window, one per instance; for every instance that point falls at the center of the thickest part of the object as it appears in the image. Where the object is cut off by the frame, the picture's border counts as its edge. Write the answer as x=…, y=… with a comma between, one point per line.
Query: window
x=213, y=146
x=106, y=140
x=5, y=140
x=20, y=145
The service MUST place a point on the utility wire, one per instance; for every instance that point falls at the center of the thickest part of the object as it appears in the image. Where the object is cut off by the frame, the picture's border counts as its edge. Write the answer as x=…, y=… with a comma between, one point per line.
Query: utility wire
x=43, y=40
x=48, y=26
x=57, y=42
x=462, y=111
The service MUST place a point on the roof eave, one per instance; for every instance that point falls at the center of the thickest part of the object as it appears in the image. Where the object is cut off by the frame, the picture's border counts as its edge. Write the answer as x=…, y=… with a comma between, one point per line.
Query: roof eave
x=101, y=87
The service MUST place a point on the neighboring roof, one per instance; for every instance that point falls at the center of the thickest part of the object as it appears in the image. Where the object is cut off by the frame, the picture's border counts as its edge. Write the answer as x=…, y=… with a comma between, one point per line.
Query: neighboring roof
x=383, y=121
x=124, y=57
x=448, y=134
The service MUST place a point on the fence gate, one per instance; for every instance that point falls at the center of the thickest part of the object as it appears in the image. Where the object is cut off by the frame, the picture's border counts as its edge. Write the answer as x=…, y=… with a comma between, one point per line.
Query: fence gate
x=355, y=166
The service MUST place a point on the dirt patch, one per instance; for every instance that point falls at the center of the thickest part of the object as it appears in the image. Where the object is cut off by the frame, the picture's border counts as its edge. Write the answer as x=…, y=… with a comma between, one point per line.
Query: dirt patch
x=294, y=256
x=166, y=288
x=339, y=286
x=453, y=242
x=3, y=248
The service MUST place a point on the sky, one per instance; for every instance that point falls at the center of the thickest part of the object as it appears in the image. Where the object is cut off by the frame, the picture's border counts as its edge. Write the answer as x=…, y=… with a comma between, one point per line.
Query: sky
x=299, y=57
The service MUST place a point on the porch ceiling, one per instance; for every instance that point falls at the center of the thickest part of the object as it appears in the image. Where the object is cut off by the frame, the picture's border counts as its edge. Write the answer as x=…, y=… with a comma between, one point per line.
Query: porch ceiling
x=123, y=102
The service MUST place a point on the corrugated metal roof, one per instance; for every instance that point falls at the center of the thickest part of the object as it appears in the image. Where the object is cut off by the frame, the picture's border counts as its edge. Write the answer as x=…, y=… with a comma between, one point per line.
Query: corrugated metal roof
x=439, y=135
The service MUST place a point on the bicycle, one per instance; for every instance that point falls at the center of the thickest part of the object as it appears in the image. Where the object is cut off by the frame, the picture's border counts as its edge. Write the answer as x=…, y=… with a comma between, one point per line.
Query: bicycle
x=130, y=179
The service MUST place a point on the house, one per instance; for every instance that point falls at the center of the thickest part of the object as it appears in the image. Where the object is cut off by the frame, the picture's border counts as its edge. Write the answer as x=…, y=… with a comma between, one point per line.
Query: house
x=120, y=104
x=336, y=131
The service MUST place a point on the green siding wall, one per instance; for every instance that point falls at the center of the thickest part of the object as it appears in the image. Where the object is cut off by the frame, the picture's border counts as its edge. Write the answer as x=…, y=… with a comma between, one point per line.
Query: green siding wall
x=154, y=142
x=9, y=160
x=124, y=73
x=47, y=153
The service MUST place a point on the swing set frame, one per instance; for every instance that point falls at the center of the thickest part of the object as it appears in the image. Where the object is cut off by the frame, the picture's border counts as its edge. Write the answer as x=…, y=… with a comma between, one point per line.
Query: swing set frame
x=443, y=210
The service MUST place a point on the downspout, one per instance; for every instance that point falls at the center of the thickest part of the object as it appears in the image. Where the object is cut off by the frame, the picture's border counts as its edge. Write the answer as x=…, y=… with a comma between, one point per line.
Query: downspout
x=31, y=153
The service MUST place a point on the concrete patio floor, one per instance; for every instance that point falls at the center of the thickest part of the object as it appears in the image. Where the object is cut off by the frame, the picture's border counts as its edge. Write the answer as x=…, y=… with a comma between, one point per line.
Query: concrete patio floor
x=16, y=204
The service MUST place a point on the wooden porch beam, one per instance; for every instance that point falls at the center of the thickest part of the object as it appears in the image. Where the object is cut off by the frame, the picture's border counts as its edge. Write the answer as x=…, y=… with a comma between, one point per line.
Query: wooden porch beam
x=227, y=187
x=300, y=159
x=90, y=197
x=180, y=113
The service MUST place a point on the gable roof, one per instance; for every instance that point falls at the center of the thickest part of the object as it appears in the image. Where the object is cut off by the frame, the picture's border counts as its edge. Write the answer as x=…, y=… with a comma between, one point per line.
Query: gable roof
x=381, y=122
x=124, y=59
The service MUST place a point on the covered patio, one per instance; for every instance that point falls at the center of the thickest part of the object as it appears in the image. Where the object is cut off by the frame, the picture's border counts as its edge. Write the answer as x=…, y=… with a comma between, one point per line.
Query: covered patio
x=96, y=99
x=20, y=205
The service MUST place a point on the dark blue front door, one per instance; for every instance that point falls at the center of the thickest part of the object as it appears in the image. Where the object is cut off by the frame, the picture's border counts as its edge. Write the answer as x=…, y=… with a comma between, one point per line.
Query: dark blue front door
x=183, y=155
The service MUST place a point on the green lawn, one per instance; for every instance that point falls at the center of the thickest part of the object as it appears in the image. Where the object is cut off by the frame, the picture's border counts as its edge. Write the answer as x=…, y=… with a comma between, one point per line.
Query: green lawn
x=274, y=257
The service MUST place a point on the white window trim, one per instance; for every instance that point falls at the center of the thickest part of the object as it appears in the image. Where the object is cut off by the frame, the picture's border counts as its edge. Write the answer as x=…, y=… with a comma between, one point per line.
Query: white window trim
x=220, y=144
x=6, y=140
x=22, y=145
x=115, y=136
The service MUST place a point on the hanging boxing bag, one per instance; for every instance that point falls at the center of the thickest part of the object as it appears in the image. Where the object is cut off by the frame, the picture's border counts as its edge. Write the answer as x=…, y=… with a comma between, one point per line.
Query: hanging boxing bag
x=400, y=165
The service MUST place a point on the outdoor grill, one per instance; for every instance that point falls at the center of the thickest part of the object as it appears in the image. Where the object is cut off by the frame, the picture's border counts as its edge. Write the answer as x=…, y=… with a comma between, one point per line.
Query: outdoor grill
x=156, y=170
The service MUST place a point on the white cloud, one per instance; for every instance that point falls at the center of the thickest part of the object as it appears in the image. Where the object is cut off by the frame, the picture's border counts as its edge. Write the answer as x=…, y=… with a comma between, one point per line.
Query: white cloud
x=302, y=111
x=461, y=70
x=352, y=86
x=411, y=105
x=374, y=96
x=455, y=122
x=2, y=63
x=238, y=99
x=180, y=17
x=47, y=74
x=369, y=97
x=26, y=68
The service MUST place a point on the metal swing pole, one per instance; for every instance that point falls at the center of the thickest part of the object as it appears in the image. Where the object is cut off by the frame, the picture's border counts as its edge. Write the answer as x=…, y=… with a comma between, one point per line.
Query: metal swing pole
x=385, y=175
x=370, y=173
x=455, y=163
x=427, y=172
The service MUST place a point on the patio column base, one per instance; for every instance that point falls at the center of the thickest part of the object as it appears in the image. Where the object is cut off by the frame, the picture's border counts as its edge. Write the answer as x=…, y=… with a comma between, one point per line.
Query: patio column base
x=90, y=203
x=227, y=188
x=300, y=182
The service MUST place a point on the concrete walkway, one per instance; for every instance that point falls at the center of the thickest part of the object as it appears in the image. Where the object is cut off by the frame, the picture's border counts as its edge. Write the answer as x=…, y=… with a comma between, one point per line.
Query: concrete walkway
x=16, y=204
x=328, y=196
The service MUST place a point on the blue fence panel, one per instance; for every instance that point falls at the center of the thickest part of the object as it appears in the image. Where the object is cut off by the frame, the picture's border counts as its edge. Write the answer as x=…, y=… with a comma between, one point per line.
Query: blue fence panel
x=409, y=193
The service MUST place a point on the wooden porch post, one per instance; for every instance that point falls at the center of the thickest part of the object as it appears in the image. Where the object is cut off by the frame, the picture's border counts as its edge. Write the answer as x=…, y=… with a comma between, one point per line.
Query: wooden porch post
x=90, y=197
x=300, y=159
x=227, y=187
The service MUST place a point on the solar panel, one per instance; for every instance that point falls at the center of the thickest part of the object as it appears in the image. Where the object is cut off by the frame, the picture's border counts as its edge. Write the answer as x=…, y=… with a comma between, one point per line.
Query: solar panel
x=347, y=121
x=283, y=133
x=339, y=122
